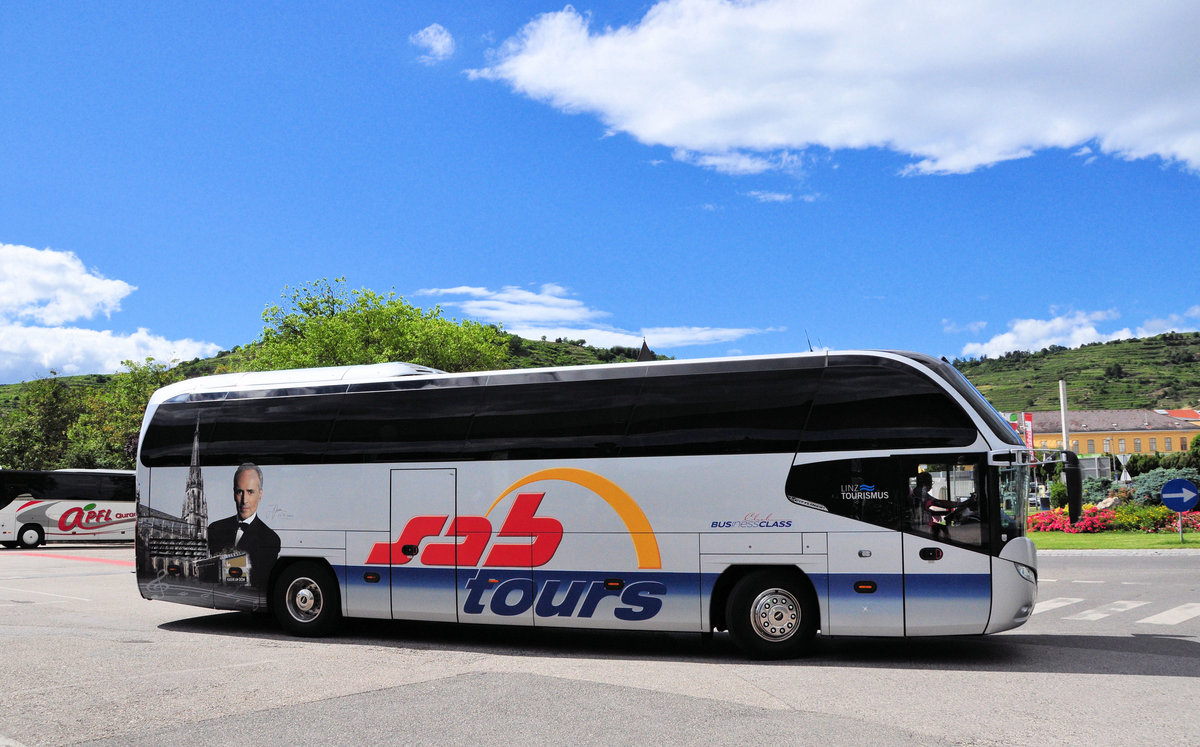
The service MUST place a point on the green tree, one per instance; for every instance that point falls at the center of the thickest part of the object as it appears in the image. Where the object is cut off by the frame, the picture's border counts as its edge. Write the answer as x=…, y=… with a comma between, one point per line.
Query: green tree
x=105, y=433
x=323, y=324
x=1140, y=464
x=34, y=434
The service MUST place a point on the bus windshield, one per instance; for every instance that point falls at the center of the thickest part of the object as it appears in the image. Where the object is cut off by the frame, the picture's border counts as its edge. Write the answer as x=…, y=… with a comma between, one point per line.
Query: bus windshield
x=1014, y=485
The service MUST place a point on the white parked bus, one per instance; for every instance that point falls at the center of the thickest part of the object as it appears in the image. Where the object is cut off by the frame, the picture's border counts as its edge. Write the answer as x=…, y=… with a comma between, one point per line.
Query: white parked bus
x=66, y=506
x=851, y=493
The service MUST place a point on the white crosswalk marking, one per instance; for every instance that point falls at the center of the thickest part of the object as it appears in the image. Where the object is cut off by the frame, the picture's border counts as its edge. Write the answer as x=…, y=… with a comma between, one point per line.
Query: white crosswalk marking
x=1174, y=616
x=1053, y=604
x=1098, y=613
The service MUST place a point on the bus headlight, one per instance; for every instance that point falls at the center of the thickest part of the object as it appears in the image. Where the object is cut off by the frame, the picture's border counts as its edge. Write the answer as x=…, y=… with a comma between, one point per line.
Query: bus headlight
x=1027, y=573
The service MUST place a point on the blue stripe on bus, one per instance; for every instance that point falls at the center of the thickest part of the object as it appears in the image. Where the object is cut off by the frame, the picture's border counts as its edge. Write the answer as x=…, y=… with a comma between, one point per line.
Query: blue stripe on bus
x=962, y=586
x=948, y=586
x=424, y=577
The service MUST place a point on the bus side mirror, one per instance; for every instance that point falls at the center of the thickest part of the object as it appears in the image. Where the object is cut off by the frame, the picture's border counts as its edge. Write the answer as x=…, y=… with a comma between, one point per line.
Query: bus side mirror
x=1074, y=486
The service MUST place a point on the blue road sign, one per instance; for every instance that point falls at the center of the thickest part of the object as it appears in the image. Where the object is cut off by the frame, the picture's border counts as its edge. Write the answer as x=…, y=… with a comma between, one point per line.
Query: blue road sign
x=1180, y=495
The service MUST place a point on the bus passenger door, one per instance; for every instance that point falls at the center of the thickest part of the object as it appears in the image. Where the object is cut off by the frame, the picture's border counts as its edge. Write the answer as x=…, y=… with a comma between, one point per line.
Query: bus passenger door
x=422, y=557
x=947, y=570
x=947, y=589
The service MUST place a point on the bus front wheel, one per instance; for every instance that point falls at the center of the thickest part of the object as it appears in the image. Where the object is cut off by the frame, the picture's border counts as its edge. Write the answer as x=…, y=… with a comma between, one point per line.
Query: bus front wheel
x=30, y=536
x=305, y=599
x=772, y=614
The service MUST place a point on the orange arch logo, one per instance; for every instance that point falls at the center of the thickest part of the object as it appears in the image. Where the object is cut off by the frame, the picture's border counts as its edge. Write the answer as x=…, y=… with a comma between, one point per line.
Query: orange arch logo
x=645, y=543
x=472, y=534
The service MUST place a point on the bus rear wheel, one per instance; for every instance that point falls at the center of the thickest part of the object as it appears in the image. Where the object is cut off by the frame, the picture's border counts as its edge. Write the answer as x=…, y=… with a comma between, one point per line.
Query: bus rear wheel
x=305, y=599
x=30, y=536
x=772, y=614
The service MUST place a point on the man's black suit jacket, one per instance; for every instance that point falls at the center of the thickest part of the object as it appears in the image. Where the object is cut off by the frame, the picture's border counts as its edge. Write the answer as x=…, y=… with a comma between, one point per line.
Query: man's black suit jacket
x=259, y=542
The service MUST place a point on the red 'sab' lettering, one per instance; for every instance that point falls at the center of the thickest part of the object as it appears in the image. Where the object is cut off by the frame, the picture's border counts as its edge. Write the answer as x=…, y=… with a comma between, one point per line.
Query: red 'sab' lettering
x=476, y=532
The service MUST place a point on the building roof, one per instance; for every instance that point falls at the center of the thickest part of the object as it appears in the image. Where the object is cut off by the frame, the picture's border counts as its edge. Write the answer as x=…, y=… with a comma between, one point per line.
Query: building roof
x=1184, y=414
x=1108, y=421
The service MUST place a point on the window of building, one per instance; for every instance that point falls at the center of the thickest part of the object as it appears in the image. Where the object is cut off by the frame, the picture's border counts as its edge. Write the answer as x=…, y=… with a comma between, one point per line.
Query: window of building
x=1153, y=444
x=1091, y=446
x=1108, y=446
x=1120, y=446
x=1137, y=446
x=1168, y=444
x=1075, y=446
x=1044, y=444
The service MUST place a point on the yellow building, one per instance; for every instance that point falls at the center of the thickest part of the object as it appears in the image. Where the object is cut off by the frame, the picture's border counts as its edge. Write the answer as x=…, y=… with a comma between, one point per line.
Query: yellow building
x=1114, y=432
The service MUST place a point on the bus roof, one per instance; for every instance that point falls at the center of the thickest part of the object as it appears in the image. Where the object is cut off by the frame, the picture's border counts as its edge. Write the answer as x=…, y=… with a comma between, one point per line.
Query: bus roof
x=308, y=377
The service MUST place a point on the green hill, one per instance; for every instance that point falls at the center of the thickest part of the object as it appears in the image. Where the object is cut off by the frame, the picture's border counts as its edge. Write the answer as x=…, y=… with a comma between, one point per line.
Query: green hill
x=1151, y=372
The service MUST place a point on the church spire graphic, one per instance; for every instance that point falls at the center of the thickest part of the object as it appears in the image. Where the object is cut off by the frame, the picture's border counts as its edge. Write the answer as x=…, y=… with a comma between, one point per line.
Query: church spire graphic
x=195, y=508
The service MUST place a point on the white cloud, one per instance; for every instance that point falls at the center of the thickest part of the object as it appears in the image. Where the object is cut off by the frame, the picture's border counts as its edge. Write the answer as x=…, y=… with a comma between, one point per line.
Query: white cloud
x=1172, y=323
x=953, y=328
x=52, y=287
x=733, y=85
x=436, y=41
x=32, y=352
x=516, y=306
x=769, y=196
x=1074, y=329
x=41, y=290
x=550, y=313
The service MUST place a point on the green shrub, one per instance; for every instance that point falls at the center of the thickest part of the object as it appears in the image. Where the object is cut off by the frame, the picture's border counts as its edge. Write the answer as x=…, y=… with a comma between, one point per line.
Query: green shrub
x=1134, y=517
x=1095, y=489
x=1147, y=488
x=1058, y=495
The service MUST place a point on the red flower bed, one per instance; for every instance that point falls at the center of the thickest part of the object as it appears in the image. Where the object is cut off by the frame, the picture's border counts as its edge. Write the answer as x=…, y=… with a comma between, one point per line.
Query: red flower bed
x=1095, y=520
x=1056, y=520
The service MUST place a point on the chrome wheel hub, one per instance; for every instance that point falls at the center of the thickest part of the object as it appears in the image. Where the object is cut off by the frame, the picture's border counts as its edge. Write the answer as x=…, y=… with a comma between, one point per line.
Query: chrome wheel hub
x=304, y=599
x=775, y=615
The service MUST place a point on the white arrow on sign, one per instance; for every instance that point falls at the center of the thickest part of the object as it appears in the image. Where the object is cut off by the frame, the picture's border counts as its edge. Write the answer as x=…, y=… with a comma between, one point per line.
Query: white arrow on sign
x=1183, y=493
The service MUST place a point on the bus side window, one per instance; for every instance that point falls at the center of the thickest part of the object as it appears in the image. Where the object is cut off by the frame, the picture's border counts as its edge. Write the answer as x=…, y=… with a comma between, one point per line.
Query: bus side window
x=944, y=501
x=869, y=490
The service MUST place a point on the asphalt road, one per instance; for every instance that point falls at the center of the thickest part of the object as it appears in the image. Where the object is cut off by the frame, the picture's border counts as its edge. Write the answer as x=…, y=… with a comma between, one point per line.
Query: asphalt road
x=1112, y=656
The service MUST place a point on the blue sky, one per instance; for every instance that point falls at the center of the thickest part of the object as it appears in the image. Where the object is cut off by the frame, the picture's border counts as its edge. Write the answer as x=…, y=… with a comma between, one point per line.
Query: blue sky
x=721, y=178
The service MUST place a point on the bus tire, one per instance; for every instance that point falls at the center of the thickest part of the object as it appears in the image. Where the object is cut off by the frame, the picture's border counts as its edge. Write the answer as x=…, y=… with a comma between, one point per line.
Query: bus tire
x=30, y=536
x=305, y=599
x=772, y=614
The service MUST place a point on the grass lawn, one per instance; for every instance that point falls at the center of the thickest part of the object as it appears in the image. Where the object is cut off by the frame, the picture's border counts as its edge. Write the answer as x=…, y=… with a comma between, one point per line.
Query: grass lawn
x=1115, y=540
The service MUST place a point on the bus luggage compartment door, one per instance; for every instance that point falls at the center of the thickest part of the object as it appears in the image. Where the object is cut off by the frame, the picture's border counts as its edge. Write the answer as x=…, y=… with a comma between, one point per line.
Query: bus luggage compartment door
x=866, y=587
x=422, y=570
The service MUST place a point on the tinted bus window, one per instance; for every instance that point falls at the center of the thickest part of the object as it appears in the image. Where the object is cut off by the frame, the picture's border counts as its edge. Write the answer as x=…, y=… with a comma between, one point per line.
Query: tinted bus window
x=167, y=440
x=872, y=490
x=884, y=405
x=272, y=430
x=404, y=421
x=550, y=419
x=64, y=486
x=264, y=430
x=721, y=413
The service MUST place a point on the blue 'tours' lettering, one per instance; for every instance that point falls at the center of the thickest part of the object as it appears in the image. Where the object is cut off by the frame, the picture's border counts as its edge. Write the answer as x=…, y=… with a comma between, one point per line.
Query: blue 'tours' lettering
x=640, y=600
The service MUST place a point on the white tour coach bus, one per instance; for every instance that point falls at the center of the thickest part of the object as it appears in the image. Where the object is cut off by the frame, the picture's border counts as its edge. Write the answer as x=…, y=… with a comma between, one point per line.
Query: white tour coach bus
x=854, y=493
x=66, y=506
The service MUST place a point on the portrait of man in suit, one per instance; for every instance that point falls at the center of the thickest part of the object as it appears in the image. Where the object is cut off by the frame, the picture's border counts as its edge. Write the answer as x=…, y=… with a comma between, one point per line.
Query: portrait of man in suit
x=246, y=531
